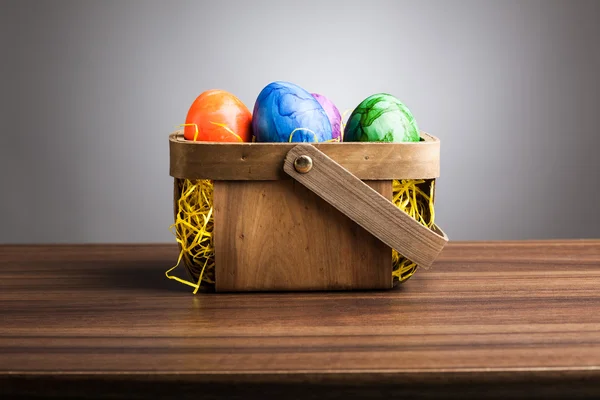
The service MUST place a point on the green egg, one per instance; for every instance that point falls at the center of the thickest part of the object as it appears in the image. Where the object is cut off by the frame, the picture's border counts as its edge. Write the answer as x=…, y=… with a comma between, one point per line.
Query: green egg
x=381, y=118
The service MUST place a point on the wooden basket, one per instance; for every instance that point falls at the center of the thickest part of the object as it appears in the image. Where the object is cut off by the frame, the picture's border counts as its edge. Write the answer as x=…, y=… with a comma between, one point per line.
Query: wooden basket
x=300, y=216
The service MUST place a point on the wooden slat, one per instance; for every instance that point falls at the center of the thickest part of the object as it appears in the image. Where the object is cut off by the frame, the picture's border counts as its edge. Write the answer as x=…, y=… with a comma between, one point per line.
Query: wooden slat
x=278, y=235
x=493, y=319
x=378, y=215
x=264, y=161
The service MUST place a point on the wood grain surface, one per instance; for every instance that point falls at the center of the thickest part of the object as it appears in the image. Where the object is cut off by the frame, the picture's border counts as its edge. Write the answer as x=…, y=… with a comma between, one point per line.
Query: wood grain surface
x=365, y=206
x=278, y=235
x=264, y=161
x=498, y=320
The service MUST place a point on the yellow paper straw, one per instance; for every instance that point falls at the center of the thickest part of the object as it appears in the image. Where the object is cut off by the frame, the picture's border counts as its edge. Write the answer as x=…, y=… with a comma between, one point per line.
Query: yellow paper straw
x=302, y=129
x=194, y=125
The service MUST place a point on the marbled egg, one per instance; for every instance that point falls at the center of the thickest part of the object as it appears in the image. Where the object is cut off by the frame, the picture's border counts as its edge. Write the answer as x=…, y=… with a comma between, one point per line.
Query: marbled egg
x=281, y=108
x=218, y=116
x=335, y=118
x=381, y=118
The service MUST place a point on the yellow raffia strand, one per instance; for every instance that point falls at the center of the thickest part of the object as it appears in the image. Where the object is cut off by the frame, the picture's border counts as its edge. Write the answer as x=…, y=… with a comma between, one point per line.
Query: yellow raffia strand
x=194, y=125
x=193, y=229
x=194, y=226
x=228, y=129
x=224, y=126
x=314, y=136
x=302, y=129
x=343, y=124
x=409, y=195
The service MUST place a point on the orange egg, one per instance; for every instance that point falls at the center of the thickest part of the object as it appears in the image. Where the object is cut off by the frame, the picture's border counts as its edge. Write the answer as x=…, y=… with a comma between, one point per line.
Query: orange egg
x=219, y=117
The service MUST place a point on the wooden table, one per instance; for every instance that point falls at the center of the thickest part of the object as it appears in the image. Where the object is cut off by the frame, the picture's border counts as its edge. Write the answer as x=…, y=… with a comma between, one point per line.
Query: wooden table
x=494, y=319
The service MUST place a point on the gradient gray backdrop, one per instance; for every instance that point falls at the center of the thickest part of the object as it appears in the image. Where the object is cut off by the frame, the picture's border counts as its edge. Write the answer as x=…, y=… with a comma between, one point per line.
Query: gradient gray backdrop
x=91, y=90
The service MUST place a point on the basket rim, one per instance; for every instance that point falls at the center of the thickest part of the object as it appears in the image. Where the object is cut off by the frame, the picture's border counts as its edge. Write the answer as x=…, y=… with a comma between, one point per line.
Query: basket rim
x=264, y=161
x=177, y=137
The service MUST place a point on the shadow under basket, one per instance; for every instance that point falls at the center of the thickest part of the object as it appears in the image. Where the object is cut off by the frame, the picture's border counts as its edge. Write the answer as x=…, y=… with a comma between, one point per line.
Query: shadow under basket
x=308, y=216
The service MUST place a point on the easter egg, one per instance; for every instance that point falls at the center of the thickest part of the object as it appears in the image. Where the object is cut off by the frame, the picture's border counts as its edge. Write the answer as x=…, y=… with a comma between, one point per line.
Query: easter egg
x=219, y=116
x=285, y=112
x=381, y=118
x=335, y=118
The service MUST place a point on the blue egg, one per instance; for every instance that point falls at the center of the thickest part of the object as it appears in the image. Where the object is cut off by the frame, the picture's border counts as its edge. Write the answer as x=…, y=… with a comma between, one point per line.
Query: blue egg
x=283, y=108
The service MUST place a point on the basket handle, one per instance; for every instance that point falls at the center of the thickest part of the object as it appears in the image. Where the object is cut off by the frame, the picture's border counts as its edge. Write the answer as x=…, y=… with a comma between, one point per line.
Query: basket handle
x=365, y=206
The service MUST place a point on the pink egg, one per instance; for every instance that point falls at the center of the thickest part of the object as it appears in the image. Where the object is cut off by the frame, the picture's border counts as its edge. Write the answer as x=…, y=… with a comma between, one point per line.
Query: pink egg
x=335, y=118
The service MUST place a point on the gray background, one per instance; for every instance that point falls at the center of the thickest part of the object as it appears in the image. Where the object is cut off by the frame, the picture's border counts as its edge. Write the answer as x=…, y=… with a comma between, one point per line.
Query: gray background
x=91, y=90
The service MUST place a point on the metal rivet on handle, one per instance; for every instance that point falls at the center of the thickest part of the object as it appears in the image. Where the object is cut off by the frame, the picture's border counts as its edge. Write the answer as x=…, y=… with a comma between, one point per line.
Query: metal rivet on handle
x=303, y=164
